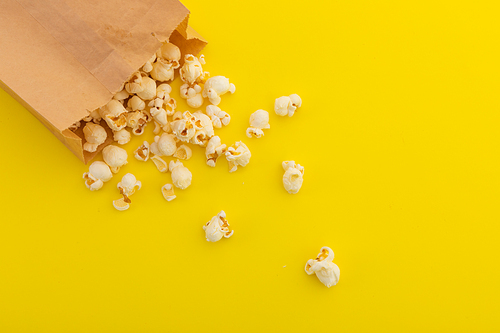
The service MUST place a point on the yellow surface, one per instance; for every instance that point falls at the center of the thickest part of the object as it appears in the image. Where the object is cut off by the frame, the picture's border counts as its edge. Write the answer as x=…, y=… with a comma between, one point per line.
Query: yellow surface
x=398, y=134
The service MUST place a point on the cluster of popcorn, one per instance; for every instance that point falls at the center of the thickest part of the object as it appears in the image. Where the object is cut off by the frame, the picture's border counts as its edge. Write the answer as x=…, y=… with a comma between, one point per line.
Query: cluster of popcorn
x=145, y=98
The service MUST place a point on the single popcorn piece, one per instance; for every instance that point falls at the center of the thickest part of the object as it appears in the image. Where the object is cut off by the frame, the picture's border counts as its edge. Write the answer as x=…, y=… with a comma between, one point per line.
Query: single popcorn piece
x=115, y=157
x=160, y=163
x=135, y=103
x=171, y=53
x=287, y=105
x=135, y=84
x=162, y=70
x=121, y=95
x=168, y=192
x=217, y=86
x=324, y=268
x=142, y=153
x=158, y=113
x=218, y=116
x=95, y=135
x=148, y=66
x=183, y=152
x=293, y=177
x=177, y=116
x=149, y=91
x=127, y=187
x=122, y=136
x=164, y=145
x=214, y=150
x=259, y=120
x=184, y=128
x=192, y=71
x=114, y=114
x=181, y=176
x=137, y=121
x=98, y=174
x=75, y=126
x=217, y=228
x=192, y=95
x=237, y=155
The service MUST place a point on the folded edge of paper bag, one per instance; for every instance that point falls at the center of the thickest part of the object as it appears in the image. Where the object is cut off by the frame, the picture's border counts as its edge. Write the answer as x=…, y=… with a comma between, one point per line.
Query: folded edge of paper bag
x=60, y=79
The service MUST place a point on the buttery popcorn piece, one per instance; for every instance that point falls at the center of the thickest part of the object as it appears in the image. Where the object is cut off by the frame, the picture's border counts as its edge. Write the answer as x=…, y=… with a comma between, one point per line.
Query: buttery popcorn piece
x=217, y=86
x=114, y=114
x=259, y=120
x=142, y=153
x=184, y=128
x=98, y=174
x=218, y=116
x=95, y=135
x=183, y=152
x=137, y=121
x=287, y=105
x=115, y=157
x=127, y=187
x=171, y=53
x=122, y=136
x=75, y=126
x=162, y=70
x=214, y=150
x=121, y=95
x=181, y=176
x=149, y=91
x=217, y=228
x=135, y=103
x=237, y=155
x=192, y=71
x=192, y=95
x=94, y=116
x=135, y=84
x=148, y=66
x=160, y=163
x=168, y=192
x=293, y=177
x=324, y=268
x=164, y=145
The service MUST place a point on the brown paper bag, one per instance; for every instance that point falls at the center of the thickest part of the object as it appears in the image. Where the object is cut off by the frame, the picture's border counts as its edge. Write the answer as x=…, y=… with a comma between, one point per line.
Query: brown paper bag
x=62, y=59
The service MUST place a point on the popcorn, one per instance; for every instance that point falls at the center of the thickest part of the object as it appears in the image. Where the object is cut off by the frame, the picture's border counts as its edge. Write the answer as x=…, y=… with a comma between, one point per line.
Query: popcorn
x=181, y=176
x=127, y=187
x=217, y=86
x=114, y=114
x=177, y=116
x=95, y=135
x=98, y=174
x=122, y=136
x=324, y=268
x=135, y=84
x=184, y=128
x=287, y=105
x=217, y=228
x=203, y=122
x=293, y=177
x=135, y=103
x=171, y=53
x=159, y=114
x=121, y=95
x=192, y=95
x=168, y=192
x=160, y=163
x=137, y=121
x=259, y=120
x=214, y=150
x=162, y=70
x=163, y=90
x=75, y=126
x=183, y=152
x=192, y=72
x=142, y=153
x=164, y=145
x=149, y=91
x=218, y=116
x=148, y=66
x=237, y=155
x=115, y=157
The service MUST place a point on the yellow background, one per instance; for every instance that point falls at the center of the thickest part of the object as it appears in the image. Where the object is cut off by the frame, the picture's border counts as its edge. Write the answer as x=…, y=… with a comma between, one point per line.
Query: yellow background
x=398, y=134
